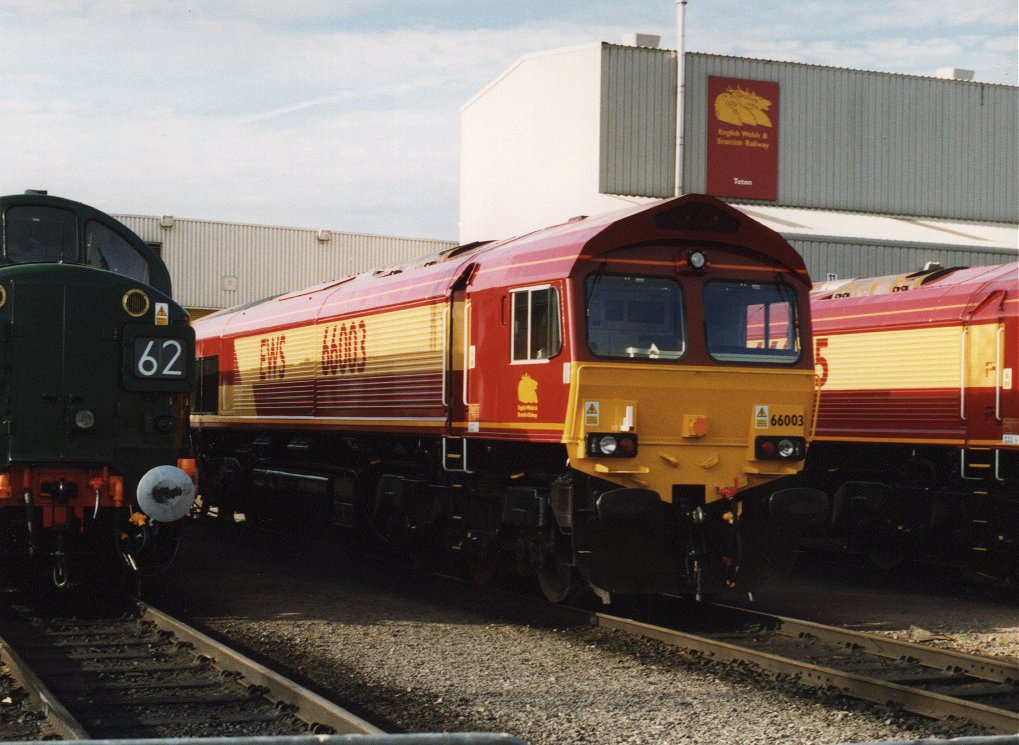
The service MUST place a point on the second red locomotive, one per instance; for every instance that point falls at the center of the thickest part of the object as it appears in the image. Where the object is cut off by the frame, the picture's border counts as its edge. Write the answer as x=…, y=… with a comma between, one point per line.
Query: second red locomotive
x=918, y=419
x=616, y=397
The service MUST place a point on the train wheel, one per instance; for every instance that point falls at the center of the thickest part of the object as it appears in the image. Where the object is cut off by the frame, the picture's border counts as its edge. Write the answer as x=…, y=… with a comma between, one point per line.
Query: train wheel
x=885, y=558
x=556, y=578
x=884, y=548
x=481, y=568
x=480, y=558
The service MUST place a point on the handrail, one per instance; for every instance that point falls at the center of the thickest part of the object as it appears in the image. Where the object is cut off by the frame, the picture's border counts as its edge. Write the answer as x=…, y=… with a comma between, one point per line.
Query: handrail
x=467, y=349
x=445, y=356
x=962, y=374
x=998, y=372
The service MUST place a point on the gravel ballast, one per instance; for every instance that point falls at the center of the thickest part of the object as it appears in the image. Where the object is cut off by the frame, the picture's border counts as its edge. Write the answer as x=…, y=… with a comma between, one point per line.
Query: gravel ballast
x=408, y=660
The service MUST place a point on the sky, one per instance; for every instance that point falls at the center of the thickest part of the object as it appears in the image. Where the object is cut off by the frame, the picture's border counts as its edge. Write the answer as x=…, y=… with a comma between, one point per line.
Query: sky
x=344, y=114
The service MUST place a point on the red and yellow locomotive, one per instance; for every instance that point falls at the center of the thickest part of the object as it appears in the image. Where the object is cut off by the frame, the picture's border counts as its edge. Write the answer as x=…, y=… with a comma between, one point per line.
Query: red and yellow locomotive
x=918, y=418
x=613, y=397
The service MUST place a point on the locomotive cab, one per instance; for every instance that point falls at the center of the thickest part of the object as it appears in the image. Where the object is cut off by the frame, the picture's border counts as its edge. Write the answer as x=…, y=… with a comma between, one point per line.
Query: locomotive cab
x=96, y=362
x=674, y=365
x=717, y=403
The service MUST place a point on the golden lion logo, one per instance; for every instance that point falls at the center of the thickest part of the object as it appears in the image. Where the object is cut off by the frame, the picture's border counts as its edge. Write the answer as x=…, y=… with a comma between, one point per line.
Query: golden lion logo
x=742, y=107
x=527, y=390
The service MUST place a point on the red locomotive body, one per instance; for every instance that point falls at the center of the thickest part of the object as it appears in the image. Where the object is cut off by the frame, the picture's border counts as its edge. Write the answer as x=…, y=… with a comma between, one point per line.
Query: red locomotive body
x=612, y=394
x=918, y=417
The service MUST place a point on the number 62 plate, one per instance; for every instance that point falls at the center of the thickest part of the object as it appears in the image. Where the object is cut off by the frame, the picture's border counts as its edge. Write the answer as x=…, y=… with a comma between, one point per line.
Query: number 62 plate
x=159, y=358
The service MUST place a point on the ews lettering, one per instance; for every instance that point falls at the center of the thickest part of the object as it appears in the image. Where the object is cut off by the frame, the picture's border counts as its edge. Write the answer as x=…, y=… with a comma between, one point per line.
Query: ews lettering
x=272, y=359
x=344, y=348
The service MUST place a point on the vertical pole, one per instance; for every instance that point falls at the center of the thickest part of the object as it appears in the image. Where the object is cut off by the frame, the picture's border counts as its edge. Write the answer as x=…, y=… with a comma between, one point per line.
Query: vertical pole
x=680, y=90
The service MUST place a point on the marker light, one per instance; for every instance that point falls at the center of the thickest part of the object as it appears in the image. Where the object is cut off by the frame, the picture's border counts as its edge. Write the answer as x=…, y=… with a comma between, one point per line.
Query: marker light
x=84, y=419
x=779, y=448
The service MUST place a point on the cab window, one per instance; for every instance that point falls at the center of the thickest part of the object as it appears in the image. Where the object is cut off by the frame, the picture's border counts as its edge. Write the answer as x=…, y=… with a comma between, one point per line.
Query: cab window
x=105, y=249
x=537, y=334
x=34, y=234
x=635, y=317
x=751, y=322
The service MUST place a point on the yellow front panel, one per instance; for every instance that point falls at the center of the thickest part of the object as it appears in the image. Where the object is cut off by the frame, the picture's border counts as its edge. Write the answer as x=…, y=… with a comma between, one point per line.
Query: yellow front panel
x=694, y=425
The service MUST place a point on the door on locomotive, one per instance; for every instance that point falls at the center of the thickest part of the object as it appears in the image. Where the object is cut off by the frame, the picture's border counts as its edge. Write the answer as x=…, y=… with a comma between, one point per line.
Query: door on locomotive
x=85, y=306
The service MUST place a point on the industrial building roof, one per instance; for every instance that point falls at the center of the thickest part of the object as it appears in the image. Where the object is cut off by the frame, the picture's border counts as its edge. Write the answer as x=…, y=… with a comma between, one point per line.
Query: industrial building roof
x=855, y=227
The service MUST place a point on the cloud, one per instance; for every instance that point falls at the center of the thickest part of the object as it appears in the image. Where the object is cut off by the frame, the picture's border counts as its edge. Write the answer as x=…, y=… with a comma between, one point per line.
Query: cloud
x=904, y=36
x=329, y=114
x=217, y=119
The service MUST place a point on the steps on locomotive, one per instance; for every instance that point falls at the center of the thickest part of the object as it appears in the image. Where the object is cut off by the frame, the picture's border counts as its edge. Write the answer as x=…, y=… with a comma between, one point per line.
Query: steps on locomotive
x=981, y=464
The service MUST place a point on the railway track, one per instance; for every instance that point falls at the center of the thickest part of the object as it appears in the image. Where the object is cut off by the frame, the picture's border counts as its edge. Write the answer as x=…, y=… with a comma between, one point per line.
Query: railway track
x=145, y=674
x=936, y=683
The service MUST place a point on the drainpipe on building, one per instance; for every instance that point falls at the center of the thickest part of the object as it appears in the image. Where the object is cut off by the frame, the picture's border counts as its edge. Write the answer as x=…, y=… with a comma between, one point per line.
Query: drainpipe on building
x=680, y=90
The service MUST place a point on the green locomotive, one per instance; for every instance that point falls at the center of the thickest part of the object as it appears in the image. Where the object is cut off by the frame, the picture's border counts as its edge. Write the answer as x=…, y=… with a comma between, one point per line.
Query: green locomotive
x=96, y=366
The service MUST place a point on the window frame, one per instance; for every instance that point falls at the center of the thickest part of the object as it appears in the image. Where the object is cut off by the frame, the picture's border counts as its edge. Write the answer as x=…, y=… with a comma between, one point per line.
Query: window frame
x=765, y=355
x=684, y=331
x=75, y=226
x=529, y=292
x=95, y=230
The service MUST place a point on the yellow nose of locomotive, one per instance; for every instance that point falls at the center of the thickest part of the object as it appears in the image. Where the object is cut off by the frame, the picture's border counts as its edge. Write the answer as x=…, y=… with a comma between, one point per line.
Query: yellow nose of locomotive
x=714, y=427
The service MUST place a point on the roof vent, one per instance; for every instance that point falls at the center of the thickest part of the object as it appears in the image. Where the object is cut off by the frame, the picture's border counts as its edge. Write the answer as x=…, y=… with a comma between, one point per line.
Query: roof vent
x=953, y=73
x=642, y=40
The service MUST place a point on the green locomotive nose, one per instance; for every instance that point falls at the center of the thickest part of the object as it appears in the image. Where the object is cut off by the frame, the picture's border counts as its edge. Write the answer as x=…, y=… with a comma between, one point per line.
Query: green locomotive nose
x=96, y=365
x=59, y=371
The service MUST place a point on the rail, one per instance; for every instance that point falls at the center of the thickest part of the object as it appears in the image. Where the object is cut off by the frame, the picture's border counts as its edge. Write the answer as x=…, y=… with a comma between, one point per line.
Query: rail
x=145, y=673
x=428, y=738
x=950, y=668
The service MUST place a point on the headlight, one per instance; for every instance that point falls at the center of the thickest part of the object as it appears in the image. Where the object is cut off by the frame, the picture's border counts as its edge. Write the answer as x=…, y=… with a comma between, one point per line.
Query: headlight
x=135, y=302
x=84, y=419
x=611, y=445
x=696, y=260
x=786, y=449
x=164, y=424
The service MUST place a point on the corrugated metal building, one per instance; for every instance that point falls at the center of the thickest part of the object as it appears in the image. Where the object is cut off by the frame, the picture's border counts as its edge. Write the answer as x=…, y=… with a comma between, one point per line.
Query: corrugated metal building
x=218, y=265
x=873, y=173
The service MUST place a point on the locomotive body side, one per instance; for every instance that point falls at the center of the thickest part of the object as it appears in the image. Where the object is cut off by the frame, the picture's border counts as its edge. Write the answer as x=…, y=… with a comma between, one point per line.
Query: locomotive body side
x=918, y=417
x=97, y=363
x=583, y=396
